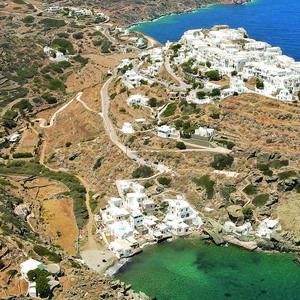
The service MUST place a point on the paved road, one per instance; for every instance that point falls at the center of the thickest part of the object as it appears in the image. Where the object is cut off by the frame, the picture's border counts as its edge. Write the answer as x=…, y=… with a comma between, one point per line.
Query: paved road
x=112, y=133
x=172, y=73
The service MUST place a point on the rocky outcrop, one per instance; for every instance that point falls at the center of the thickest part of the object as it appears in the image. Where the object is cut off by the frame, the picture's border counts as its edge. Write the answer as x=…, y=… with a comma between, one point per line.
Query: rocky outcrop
x=216, y=237
x=235, y=213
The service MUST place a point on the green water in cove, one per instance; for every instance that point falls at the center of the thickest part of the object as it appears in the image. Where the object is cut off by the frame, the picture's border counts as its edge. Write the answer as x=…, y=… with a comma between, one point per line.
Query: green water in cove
x=189, y=269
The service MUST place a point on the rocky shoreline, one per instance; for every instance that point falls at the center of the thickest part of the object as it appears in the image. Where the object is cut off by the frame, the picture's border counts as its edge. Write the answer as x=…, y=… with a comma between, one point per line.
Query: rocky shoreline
x=188, y=10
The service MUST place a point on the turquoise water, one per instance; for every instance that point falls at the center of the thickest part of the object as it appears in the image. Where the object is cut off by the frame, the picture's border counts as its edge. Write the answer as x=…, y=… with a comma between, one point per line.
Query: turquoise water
x=274, y=21
x=189, y=269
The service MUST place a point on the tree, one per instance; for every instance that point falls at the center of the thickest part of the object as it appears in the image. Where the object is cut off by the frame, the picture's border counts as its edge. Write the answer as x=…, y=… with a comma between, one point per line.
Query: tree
x=247, y=212
x=164, y=181
x=208, y=64
x=215, y=92
x=299, y=95
x=259, y=84
x=222, y=161
x=42, y=286
x=142, y=172
x=201, y=95
x=153, y=102
x=213, y=75
x=180, y=145
x=178, y=124
x=234, y=73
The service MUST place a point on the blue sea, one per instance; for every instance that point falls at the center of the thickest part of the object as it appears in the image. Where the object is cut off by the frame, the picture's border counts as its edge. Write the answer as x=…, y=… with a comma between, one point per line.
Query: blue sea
x=274, y=21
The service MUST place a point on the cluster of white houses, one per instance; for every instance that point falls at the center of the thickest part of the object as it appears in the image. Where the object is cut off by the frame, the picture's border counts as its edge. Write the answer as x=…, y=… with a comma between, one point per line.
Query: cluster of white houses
x=130, y=220
x=230, y=50
x=75, y=11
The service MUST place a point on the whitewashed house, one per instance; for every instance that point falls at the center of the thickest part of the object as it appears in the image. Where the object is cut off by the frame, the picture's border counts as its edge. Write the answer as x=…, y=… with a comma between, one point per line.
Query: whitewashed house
x=136, y=219
x=137, y=99
x=267, y=227
x=285, y=95
x=120, y=230
x=166, y=131
x=180, y=210
x=205, y=132
x=135, y=201
x=127, y=128
x=121, y=248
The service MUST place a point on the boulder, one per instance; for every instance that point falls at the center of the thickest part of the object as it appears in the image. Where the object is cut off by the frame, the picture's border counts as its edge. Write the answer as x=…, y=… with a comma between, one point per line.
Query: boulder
x=270, y=180
x=235, y=213
x=216, y=237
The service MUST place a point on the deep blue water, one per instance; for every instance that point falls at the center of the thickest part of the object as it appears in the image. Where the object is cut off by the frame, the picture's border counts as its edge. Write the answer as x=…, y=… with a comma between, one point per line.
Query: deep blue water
x=274, y=21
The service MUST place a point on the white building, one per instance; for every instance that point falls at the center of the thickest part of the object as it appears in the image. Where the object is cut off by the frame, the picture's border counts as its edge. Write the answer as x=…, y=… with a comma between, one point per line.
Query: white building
x=120, y=230
x=127, y=128
x=137, y=99
x=121, y=248
x=268, y=226
x=113, y=213
x=53, y=9
x=166, y=131
x=136, y=219
x=14, y=138
x=285, y=95
x=206, y=132
x=181, y=211
x=135, y=201
x=131, y=79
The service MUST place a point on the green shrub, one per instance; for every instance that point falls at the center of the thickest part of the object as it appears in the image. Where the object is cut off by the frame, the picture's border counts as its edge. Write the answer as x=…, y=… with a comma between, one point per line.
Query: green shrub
x=164, y=181
x=28, y=19
x=265, y=169
x=52, y=23
x=226, y=191
x=42, y=251
x=23, y=104
x=64, y=64
x=222, y=161
x=56, y=84
x=81, y=60
x=152, y=102
x=213, y=75
x=170, y=110
x=63, y=45
x=50, y=99
x=148, y=184
x=180, y=145
x=286, y=175
x=22, y=155
x=247, y=212
x=277, y=164
x=78, y=36
x=208, y=184
x=75, y=264
x=260, y=200
x=142, y=172
x=98, y=163
x=249, y=189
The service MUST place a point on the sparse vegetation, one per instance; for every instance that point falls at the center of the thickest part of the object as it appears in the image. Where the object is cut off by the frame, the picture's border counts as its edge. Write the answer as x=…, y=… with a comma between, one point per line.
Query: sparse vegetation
x=207, y=183
x=260, y=200
x=142, y=172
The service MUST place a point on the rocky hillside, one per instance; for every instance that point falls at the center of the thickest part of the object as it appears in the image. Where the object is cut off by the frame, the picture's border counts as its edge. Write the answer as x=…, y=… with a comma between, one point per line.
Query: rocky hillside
x=127, y=12
x=23, y=235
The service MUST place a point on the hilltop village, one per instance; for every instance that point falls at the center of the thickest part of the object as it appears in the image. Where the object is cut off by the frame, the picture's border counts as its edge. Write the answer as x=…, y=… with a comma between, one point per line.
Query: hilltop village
x=110, y=141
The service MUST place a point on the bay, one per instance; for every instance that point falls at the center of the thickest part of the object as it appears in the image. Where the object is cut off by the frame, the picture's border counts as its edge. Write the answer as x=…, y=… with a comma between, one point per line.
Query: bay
x=274, y=21
x=189, y=269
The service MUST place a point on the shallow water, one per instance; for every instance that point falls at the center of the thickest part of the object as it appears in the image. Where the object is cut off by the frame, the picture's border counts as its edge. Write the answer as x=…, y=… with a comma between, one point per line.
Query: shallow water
x=189, y=269
x=274, y=21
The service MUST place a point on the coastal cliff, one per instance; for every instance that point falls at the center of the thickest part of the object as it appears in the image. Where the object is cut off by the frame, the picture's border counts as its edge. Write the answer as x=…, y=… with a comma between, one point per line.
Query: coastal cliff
x=128, y=12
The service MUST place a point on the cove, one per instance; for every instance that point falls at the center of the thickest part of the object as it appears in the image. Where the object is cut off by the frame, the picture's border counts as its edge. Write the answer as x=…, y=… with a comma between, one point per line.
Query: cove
x=190, y=269
x=274, y=21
